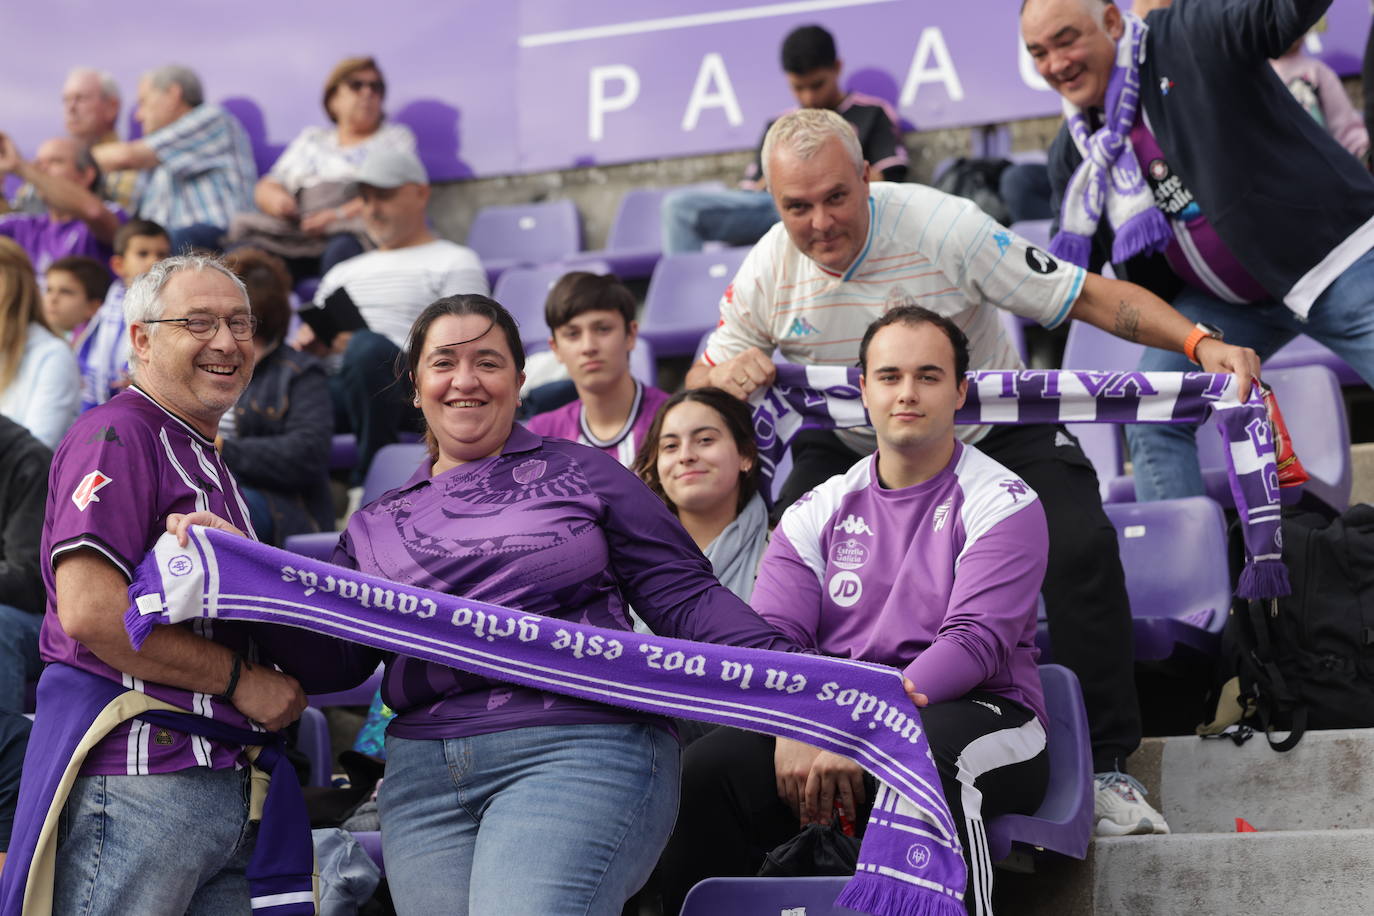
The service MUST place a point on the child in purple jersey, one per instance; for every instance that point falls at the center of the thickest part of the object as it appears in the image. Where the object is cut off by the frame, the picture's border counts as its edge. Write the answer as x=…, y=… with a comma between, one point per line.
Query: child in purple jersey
x=502, y=799
x=592, y=322
x=927, y=556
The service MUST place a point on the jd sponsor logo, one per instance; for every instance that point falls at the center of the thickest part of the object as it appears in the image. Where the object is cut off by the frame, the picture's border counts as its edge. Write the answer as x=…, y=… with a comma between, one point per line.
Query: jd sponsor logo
x=846, y=588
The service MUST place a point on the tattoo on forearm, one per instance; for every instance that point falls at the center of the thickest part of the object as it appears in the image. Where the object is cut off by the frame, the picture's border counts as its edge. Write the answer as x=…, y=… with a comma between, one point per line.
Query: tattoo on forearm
x=1127, y=324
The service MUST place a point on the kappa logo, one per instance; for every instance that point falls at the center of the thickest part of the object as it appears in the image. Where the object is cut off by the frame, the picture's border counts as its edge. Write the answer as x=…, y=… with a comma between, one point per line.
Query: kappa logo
x=846, y=588
x=854, y=524
x=105, y=434
x=1165, y=84
x=941, y=513
x=85, y=491
x=802, y=328
x=1062, y=439
x=1015, y=488
x=1003, y=240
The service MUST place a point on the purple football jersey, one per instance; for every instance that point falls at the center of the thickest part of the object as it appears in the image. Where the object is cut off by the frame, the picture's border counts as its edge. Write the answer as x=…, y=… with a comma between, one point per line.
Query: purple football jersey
x=567, y=422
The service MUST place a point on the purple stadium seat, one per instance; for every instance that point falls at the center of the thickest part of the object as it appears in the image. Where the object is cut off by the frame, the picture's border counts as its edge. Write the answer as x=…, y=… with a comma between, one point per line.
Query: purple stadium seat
x=391, y=467
x=356, y=696
x=1035, y=231
x=313, y=741
x=343, y=451
x=1177, y=575
x=523, y=291
x=371, y=842
x=1090, y=347
x=1015, y=327
x=766, y=897
x=635, y=242
x=1103, y=445
x=643, y=365
x=683, y=301
x=1064, y=821
x=1304, y=351
x=525, y=234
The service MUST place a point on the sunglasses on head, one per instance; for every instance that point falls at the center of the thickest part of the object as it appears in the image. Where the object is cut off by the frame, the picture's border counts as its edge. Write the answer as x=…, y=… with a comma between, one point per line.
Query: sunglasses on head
x=358, y=85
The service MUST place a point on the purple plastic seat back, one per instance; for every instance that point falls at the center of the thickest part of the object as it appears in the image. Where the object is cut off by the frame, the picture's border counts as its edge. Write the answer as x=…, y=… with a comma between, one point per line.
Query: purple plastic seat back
x=683, y=301
x=1090, y=347
x=1177, y=575
x=524, y=290
x=1102, y=443
x=766, y=897
x=371, y=842
x=355, y=696
x=1064, y=821
x=527, y=234
x=391, y=466
x=312, y=740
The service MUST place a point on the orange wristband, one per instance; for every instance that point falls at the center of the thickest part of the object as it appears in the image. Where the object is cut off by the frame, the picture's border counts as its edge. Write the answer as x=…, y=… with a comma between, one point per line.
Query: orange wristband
x=1190, y=345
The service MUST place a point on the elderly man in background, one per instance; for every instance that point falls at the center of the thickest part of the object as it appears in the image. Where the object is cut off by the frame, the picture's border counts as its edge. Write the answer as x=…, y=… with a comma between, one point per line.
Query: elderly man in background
x=74, y=220
x=198, y=163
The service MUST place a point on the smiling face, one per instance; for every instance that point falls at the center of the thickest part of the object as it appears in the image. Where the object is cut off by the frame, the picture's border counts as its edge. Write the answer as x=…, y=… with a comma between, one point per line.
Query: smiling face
x=910, y=389
x=197, y=379
x=699, y=463
x=1073, y=45
x=823, y=201
x=595, y=349
x=468, y=388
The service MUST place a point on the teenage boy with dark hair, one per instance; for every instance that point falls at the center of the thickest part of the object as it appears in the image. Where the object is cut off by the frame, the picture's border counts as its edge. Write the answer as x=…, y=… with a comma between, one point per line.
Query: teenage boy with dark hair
x=592, y=326
x=73, y=290
x=927, y=556
x=103, y=353
x=694, y=216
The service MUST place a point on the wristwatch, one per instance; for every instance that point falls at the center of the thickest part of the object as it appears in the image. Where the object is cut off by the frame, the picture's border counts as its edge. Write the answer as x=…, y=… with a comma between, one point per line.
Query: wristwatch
x=1200, y=331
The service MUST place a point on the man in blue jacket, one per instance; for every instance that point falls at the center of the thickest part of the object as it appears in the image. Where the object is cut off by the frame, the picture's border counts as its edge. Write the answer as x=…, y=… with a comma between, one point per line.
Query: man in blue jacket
x=1204, y=181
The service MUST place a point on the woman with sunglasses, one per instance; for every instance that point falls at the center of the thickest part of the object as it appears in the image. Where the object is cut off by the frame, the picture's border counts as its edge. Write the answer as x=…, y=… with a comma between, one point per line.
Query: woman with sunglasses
x=311, y=187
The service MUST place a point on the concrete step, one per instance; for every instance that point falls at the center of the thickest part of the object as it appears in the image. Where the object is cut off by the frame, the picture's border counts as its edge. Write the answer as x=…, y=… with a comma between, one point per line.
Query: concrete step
x=1285, y=873
x=1323, y=783
x=1362, y=472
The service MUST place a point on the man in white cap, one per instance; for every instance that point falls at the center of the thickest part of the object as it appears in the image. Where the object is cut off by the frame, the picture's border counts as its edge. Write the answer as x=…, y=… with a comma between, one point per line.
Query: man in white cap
x=390, y=287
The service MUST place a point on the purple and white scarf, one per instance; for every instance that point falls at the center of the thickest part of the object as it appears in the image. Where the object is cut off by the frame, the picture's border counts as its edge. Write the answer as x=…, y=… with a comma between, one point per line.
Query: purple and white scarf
x=911, y=863
x=1109, y=176
x=827, y=397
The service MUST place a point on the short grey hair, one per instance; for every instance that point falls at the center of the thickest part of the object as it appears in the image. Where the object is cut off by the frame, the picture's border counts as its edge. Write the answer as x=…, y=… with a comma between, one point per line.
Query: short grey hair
x=183, y=78
x=805, y=131
x=143, y=302
x=108, y=87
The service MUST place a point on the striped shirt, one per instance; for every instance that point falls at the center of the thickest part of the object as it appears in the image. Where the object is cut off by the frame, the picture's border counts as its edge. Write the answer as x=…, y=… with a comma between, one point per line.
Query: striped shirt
x=122, y=469
x=924, y=247
x=205, y=171
x=102, y=350
x=392, y=288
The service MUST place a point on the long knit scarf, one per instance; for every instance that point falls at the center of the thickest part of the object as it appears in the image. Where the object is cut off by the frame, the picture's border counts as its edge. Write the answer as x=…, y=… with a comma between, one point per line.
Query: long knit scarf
x=827, y=397
x=910, y=864
x=1109, y=175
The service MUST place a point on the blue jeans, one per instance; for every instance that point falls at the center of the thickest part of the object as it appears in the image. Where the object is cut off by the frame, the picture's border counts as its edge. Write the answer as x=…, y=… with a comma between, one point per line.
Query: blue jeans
x=19, y=661
x=736, y=217
x=170, y=844
x=1165, y=455
x=547, y=820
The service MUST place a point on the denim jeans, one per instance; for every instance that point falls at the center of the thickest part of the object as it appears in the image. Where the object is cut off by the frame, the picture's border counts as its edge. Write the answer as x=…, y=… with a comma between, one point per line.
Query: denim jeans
x=170, y=843
x=736, y=217
x=546, y=820
x=19, y=661
x=1165, y=455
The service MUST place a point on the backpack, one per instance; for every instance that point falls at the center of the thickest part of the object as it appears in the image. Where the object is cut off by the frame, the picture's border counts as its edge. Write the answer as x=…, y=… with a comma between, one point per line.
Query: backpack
x=1307, y=660
x=977, y=180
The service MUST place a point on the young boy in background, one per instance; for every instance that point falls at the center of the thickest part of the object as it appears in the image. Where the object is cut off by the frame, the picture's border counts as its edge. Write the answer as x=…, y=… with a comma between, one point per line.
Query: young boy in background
x=103, y=353
x=592, y=321
x=74, y=288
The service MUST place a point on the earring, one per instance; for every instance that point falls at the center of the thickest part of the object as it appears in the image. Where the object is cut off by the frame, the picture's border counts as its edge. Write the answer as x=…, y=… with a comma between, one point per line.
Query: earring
x=416, y=402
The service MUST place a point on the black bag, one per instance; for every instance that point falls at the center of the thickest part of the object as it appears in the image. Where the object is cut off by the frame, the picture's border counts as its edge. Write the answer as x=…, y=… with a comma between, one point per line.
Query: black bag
x=1307, y=660
x=820, y=849
x=977, y=179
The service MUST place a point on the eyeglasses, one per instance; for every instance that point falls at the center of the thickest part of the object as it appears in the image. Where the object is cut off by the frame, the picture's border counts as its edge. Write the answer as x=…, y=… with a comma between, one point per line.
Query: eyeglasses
x=203, y=327
x=376, y=86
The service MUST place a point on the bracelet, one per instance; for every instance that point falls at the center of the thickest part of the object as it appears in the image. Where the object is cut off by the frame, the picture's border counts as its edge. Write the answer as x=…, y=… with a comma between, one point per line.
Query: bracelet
x=239, y=662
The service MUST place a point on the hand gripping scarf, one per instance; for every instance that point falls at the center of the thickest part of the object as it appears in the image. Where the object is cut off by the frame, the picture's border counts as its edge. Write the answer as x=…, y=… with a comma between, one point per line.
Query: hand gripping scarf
x=1110, y=174
x=911, y=863
x=827, y=397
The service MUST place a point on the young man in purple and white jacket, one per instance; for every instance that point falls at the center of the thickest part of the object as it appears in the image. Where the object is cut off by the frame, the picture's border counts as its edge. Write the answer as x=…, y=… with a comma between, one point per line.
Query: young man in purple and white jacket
x=927, y=556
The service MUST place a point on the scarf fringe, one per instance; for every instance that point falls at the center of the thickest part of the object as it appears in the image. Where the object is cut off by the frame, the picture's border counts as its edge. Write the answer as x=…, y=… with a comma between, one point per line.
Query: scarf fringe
x=1264, y=579
x=1072, y=247
x=882, y=896
x=1147, y=232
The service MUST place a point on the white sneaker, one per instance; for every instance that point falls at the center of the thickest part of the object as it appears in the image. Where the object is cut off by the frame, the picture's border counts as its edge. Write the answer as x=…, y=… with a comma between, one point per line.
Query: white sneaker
x=1120, y=808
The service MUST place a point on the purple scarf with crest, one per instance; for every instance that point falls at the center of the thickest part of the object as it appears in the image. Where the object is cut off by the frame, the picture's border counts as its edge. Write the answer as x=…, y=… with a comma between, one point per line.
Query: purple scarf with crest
x=827, y=397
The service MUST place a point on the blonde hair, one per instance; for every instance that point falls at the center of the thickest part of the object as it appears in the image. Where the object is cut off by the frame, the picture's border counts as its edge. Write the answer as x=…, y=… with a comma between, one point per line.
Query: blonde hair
x=805, y=131
x=20, y=306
